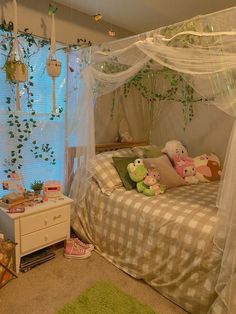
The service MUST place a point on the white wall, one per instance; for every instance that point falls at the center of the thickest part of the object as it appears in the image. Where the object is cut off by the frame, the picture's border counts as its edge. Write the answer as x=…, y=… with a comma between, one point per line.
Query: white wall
x=209, y=131
x=70, y=24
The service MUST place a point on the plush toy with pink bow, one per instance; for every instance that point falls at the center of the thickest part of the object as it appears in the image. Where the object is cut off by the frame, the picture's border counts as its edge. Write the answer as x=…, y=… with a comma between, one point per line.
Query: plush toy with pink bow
x=152, y=180
x=203, y=168
x=175, y=149
x=185, y=168
x=183, y=164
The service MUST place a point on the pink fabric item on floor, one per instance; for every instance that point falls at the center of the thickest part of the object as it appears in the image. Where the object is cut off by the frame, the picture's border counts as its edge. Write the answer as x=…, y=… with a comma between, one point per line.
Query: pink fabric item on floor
x=72, y=250
x=87, y=246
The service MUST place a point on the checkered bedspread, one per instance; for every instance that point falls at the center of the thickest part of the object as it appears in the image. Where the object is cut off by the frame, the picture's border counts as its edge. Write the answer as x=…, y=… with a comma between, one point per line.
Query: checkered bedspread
x=165, y=240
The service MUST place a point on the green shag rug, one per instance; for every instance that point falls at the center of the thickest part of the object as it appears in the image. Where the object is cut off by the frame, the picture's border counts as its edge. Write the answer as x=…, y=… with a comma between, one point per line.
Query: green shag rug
x=105, y=298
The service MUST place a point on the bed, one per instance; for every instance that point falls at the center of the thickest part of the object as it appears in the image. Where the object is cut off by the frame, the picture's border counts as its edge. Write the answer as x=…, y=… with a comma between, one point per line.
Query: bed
x=167, y=240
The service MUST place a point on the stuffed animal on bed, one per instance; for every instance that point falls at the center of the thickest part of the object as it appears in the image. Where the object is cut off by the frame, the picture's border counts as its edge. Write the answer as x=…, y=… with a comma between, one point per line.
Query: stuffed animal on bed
x=207, y=167
x=175, y=149
x=152, y=180
x=138, y=173
x=185, y=168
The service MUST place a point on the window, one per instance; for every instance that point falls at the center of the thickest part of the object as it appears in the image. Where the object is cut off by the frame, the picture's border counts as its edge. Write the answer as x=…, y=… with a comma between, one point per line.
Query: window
x=48, y=133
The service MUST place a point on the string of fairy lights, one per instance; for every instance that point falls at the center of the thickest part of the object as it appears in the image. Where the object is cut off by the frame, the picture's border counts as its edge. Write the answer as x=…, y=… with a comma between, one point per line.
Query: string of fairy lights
x=97, y=18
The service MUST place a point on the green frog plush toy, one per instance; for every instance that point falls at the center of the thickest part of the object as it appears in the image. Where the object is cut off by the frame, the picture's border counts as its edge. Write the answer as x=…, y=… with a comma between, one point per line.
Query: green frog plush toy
x=147, y=181
x=137, y=172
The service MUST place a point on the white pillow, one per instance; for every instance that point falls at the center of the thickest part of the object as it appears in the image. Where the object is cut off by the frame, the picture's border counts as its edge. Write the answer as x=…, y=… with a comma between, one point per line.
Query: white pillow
x=106, y=174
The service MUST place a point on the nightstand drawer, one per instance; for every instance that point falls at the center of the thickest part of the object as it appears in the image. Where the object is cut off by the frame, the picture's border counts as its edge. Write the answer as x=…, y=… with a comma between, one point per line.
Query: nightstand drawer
x=42, y=238
x=44, y=220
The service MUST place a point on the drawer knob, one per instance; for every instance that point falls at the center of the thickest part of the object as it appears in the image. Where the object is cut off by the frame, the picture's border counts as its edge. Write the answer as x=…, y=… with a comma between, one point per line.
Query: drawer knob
x=45, y=238
x=57, y=217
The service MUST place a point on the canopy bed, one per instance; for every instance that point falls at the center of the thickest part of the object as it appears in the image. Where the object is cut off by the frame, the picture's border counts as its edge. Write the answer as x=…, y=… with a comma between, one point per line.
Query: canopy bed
x=180, y=242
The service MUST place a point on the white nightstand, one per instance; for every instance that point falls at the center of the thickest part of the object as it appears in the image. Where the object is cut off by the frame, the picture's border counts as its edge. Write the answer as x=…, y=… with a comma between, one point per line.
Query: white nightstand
x=38, y=227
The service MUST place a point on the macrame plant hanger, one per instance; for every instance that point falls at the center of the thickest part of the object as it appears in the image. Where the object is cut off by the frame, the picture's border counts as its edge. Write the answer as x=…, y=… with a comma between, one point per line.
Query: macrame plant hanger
x=53, y=65
x=16, y=69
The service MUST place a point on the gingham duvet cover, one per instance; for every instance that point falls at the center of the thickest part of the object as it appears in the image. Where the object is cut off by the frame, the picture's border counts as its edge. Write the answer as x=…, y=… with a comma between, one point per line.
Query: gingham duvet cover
x=165, y=240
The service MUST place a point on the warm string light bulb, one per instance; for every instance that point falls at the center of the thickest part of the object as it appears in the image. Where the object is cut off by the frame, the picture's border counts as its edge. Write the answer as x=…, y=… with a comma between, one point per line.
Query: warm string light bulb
x=97, y=17
x=111, y=33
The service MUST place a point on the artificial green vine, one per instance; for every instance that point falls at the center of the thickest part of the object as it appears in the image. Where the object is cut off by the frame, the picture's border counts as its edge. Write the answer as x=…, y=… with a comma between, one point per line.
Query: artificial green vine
x=57, y=114
x=20, y=129
x=44, y=151
x=179, y=90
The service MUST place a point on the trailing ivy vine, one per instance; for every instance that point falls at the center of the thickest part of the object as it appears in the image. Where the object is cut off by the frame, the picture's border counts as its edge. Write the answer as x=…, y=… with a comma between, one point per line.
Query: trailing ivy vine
x=21, y=128
x=44, y=152
x=177, y=89
x=56, y=114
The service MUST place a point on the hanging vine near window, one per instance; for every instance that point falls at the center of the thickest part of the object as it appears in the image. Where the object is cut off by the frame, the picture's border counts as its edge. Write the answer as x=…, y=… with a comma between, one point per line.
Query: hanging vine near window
x=22, y=124
x=44, y=152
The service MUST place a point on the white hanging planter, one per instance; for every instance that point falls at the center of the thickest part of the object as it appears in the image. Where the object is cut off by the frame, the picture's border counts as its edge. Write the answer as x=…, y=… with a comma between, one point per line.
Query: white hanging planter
x=53, y=67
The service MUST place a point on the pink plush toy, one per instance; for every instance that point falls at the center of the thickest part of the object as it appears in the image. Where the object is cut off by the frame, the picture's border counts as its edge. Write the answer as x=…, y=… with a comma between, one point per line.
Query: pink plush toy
x=185, y=168
x=174, y=148
x=152, y=177
x=152, y=180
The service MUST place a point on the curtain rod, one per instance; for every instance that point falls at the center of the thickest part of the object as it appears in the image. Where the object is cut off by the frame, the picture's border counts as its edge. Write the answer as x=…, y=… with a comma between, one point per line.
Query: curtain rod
x=42, y=37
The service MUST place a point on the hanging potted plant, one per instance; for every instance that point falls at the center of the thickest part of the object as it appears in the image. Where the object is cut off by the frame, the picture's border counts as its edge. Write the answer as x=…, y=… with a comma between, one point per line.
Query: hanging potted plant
x=53, y=65
x=15, y=68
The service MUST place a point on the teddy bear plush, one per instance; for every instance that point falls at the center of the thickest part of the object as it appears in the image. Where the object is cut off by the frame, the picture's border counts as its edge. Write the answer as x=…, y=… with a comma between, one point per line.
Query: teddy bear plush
x=185, y=168
x=175, y=149
x=152, y=180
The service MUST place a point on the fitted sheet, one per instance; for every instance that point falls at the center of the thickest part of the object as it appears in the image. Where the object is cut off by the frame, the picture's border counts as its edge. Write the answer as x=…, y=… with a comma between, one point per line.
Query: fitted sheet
x=166, y=240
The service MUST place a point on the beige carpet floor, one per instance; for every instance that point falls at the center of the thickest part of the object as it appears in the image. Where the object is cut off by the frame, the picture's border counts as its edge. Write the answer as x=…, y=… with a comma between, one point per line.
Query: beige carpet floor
x=49, y=286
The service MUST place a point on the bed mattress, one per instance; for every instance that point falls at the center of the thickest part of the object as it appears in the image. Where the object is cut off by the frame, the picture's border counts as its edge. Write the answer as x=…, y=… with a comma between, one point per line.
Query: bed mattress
x=166, y=240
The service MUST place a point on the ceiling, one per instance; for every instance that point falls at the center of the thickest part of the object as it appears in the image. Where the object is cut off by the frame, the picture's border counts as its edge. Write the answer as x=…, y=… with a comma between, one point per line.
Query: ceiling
x=142, y=15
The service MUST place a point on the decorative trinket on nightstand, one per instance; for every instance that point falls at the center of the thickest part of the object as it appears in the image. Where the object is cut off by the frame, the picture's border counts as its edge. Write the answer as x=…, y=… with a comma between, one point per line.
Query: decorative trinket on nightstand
x=13, y=197
x=52, y=188
x=12, y=200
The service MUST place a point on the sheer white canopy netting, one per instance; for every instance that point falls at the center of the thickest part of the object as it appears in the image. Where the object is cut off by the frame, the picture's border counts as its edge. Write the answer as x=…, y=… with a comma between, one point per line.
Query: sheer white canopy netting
x=203, y=50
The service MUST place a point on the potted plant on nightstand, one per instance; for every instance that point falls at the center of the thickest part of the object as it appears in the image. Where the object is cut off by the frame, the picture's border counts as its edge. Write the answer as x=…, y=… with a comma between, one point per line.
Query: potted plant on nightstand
x=37, y=186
